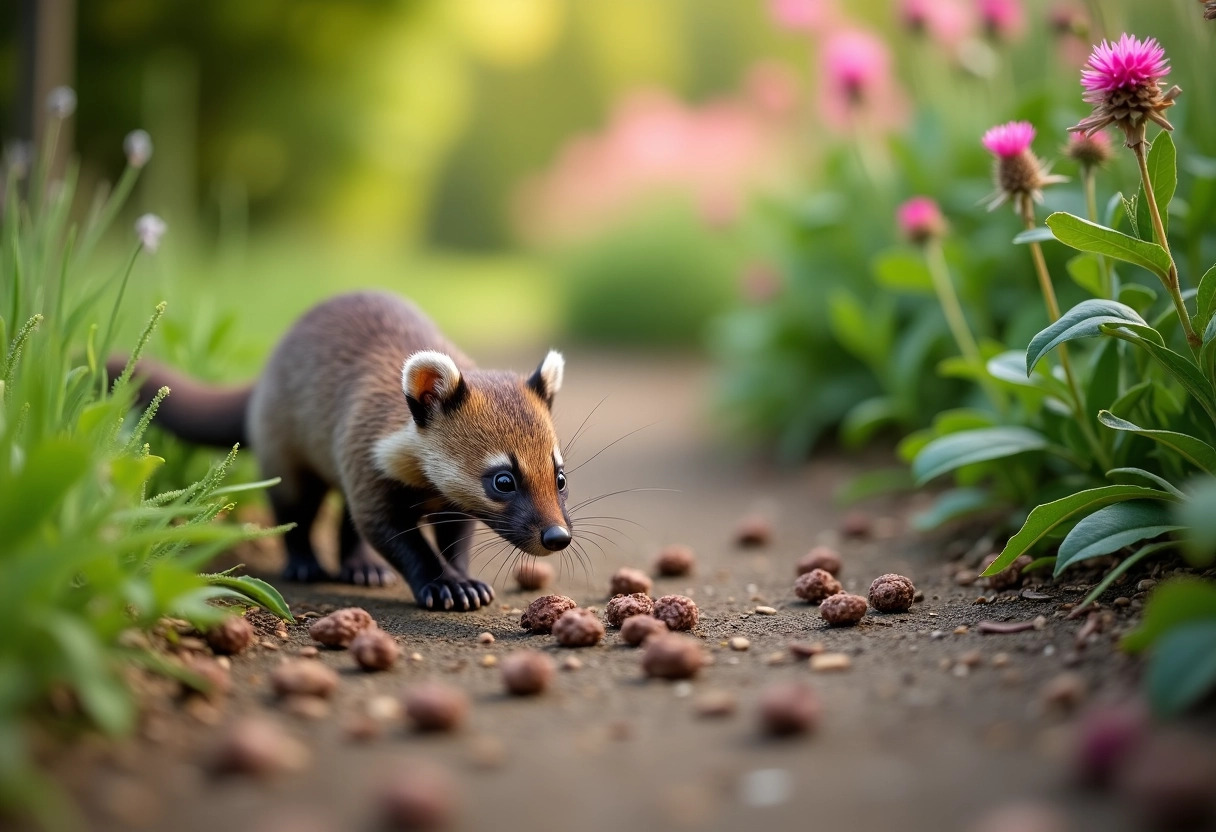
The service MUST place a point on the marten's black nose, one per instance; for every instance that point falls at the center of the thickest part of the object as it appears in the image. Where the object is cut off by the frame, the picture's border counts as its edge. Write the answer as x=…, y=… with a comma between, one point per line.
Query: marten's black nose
x=555, y=538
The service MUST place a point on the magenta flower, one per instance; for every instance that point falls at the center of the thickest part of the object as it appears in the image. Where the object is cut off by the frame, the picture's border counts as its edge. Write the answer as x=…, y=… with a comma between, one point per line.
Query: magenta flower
x=920, y=220
x=1002, y=19
x=1009, y=140
x=1020, y=176
x=855, y=83
x=1122, y=82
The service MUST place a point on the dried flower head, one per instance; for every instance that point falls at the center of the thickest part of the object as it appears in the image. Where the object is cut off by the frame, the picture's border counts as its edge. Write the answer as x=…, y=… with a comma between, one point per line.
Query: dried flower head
x=150, y=228
x=61, y=102
x=1122, y=81
x=138, y=147
x=920, y=220
x=1089, y=151
x=1020, y=175
x=1209, y=10
x=1002, y=20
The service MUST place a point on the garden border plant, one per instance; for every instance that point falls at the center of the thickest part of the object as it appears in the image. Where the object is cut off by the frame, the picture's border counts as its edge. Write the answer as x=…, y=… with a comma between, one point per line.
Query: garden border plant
x=90, y=558
x=1134, y=430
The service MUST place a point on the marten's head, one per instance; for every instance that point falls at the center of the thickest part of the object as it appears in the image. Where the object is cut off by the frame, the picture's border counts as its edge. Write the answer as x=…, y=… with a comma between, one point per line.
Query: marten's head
x=485, y=441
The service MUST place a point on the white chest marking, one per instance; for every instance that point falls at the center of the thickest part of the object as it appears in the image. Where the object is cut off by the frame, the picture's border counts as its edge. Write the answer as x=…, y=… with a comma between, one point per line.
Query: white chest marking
x=399, y=456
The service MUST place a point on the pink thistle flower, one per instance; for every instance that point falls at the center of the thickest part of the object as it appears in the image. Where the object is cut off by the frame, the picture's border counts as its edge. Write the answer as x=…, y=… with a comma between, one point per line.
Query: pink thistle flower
x=915, y=15
x=1122, y=82
x=1089, y=151
x=1002, y=19
x=855, y=82
x=1020, y=175
x=1008, y=140
x=920, y=219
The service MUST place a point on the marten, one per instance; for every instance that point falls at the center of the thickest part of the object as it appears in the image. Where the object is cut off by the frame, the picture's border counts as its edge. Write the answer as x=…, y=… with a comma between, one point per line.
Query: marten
x=365, y=395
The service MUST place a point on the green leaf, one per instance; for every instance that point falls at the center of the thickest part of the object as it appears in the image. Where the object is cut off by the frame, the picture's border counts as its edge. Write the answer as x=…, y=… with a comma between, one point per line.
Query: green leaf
x=1102, y=388
x=874, y=483
x=1111, y=528
x=1034, y=235
x=1140, y=298
x=1082, y=321
x=958, y=449
x=1207, y=353
x=1205, y=298
x=866, y=418
x=1195, y=451
x=863, y=331
x=1198, y=513
x=951, y=505
x=1098, y=239
x=1163, y=173
x=1086, y=271
x=1010, y=367
x=903, y=271
x=52, y=469
x=1048, y=516
x=1187, y=374
x=1182, y=668
x=1172, y=604
x=1131, y=398
x=102, y=696
x=256, y=590
x=1120, y=474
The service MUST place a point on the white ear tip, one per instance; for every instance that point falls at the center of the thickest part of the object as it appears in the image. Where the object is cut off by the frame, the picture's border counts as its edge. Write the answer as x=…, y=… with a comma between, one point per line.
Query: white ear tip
x=552, y=370
x=433, y=363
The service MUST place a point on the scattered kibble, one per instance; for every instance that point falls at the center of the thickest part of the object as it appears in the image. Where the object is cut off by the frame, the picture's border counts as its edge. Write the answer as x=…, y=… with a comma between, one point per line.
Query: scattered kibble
x=678, y=612
x=304, y=678
x=339, y=628
x=636, y=629
x=753, y=531
x=258, y=747
x=533, y=574
x=230, y=636
x=578, y=628
x=788, y=709
x=816, y=585
x=672, y=656
x=627, y=606
x=843, y=609
x=544, y=611
x=433, y=706
x=527, y=672
x=820, y=557
x=892, y=593
x=375, y=649
x=418, y=798
x=308, y=652
x=627, y=581
x=856, y=524
x=674, y=561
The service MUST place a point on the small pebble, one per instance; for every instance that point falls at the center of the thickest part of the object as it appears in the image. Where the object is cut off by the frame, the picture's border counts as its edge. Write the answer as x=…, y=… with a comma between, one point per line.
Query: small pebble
x=302, y=677
x=1064, y=692
x=308, y=652
x=572, y=663
x=716, y=703
x=258, y=747
x=230, y=636
x=485, y=638
x=788, y=709
x=802, y=650
x=527, y=672
x=961, y=630
x=826, y=662
x=489, y=660
x=306, y=707
x=375, y=649
x=765, y=610
x=672, y=657
x=339, y=628
x=753, y=531
x=843, y=609
x=738, y=643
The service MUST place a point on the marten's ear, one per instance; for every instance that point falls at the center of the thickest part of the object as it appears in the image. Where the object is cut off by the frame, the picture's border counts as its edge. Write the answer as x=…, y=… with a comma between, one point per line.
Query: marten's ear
x=432, y=383
x=547, y=379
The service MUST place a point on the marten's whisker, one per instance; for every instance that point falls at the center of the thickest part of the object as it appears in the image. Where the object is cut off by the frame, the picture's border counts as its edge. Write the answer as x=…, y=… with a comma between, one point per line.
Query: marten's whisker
x=610, y=444
x=581, y=427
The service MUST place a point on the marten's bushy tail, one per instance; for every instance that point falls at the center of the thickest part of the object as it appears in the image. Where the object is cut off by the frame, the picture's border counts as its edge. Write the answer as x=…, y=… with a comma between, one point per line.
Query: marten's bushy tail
x=197, y=412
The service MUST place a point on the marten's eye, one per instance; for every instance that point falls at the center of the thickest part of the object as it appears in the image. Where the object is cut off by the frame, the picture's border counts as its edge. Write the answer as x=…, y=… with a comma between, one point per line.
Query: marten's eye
x=561, y=480
x=504, y=482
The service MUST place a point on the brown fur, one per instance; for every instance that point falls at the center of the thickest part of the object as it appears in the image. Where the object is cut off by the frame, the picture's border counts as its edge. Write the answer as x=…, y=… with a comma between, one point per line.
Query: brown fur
x=329, y=411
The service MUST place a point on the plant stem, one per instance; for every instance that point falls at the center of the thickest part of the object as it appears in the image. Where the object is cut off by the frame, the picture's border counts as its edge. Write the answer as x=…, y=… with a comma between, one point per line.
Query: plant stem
x=1171, y=283
x=1053, y=311
x=1090, y=184
x=935, y=259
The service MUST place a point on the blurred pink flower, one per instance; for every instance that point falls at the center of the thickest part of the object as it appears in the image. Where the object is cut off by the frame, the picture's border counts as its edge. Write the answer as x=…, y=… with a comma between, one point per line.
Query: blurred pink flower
x=855, y=84
x=802, y=15
x=1007, y=140
x=1002, y=19
x=920, y=219
x=1089, y=151
x=760, y=283
x=1122, y=82
x=773, y=87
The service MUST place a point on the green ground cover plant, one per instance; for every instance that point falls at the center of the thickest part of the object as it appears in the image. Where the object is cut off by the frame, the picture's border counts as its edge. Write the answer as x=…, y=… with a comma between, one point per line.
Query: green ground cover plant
x=89, y=553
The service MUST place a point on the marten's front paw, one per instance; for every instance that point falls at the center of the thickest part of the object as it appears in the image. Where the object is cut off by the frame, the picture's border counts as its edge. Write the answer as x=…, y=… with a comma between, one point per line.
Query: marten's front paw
x=303, y=570
x=366, y=568
x=461, y=594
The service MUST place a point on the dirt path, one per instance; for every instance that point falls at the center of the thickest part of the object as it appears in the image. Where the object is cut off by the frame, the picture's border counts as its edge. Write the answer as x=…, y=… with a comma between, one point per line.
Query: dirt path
x=907, y=740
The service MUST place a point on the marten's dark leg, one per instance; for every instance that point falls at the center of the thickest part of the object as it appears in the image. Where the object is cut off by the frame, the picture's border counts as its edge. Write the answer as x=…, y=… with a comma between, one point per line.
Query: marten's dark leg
x=296, y=499
x=361, y=564
x=454, y=538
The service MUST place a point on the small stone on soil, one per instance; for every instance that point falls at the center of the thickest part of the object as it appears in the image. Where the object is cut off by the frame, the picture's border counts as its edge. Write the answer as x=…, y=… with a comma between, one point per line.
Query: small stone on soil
x=827, y=662
x=578, y=628
x=788, y=709
x=752, y=531
x=302, y=677
x=527, y=672
x=716, y=703
x=802, y=650
x=738, y=643
x=339, y=628
x=765, y=610
x=485, y=638
x=672, y=657
x=673, y=561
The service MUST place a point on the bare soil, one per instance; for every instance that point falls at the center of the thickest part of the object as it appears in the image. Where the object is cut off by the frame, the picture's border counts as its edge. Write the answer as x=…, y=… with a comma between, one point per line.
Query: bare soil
x=910, y=737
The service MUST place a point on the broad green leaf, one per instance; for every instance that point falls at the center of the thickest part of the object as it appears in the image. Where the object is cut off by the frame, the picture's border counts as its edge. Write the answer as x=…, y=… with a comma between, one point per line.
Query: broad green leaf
x=1195, y=451
x=1140, y=298
x=1183, y=667
x=1034, y=235
x=1122, y=474
x=958, y=449
x=960, y=419
x=1205, y=298
x=903, y=271
x=131, y=472
x=1207, y=353
x=256, y=590
x=1181, y=368
x=1111, y=528
x=866, y=418
x=1102, y=387
x=1010, y=367
x=951, y=505
x=1082, y=321
x=1088, y=236
x=1172, y=604
x=1039, y=564
x=1086, y=271
x=1048, y=516
x=1131, y=398
x=1163, y=172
